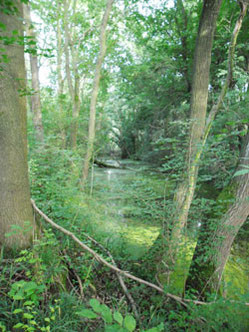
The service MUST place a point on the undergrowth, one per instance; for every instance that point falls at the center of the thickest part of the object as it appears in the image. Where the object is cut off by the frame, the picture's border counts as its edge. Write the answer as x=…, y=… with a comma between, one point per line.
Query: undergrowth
x=54, y=286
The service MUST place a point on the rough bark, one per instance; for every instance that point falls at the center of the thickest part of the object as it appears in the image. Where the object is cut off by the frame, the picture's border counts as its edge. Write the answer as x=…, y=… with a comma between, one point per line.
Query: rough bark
x=186, y=190
x=15, y=206
x=94, y=96
x=215, y=240
x=198, y=107
x=35, y=97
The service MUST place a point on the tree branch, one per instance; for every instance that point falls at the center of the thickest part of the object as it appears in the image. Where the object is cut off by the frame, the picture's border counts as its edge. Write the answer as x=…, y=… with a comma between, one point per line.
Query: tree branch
x=113, y=267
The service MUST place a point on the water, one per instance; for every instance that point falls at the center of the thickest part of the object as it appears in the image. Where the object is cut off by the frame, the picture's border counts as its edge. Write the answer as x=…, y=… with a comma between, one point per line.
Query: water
x=129, y=198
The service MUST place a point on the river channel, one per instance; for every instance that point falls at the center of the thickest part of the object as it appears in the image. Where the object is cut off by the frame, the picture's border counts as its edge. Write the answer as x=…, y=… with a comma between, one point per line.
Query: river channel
x=130, y=203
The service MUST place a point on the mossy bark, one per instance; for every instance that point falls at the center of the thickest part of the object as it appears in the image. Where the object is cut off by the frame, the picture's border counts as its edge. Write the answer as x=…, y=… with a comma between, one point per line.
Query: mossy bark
x=198, y=107
x=199, y=134
x=15, y=206
x=216, y=238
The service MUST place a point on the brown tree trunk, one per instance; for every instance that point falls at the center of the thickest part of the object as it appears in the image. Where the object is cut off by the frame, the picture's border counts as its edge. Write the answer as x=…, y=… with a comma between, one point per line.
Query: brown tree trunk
x=182, y=30
x=15, y=206
x=215, y=240
x=35, y=97
x=73, y=87
x=198, y=107
x=91, y=129
x=59, y=75
x=185, y=193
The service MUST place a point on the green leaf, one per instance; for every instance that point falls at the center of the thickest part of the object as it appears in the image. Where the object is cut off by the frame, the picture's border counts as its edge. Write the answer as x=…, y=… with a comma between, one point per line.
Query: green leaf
x=118, y=317
x=2, y=26
x=158, y=328
x=18, y=297
x=106, y=314
x=87, y=313
x=17, y=311
x=95, y=305
x=115, y=328
x=129, y=323
x=27, y=315
x=28, y=303
x=241, y=172
x=18, y=325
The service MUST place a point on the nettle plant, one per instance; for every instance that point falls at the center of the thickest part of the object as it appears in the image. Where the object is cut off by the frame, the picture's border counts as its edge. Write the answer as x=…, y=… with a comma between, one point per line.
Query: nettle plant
x=114, y=321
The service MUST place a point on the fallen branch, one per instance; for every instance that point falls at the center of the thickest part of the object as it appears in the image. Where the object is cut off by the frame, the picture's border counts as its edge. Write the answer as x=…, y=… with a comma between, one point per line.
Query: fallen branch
x=115, y=268
x=81, y=293
x=120, y=279
x=103, y=164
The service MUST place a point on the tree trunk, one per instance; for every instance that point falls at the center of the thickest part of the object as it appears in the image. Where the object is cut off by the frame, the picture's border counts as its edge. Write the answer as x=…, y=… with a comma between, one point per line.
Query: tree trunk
x=35, y=97
x=182, y=30
x=73, y=87
x=185, y=193
x=59, y=76
x=76, y=101
x=198, y=107
x=91, y=129
x=215, y=241
x=15, y=206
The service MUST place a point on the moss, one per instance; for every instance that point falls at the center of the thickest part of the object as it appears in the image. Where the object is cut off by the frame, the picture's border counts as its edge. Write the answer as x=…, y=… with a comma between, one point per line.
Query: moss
x=235, y=278
x=227, y=196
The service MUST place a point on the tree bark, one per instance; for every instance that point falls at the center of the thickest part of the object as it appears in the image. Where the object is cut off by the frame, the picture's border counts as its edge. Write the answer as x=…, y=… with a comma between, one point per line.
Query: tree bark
x=74, y=87
x=182, y=30
x=59, y=75
x=186, y=190
x=198, y=108
x=15, y=206
x=94, y=96
x=35, y=97
x=215, y=240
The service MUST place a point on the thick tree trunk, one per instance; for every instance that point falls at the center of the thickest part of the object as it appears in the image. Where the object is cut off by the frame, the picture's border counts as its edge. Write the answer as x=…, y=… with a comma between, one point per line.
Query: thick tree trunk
x=15, y=206
x=199, y=96
x=35, y=97
x=215, y=240
x=185, y=193
x=91, y=129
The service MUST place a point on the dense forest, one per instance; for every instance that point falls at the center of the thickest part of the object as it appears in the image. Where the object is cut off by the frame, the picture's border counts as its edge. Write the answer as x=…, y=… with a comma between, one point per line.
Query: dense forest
x=124, y=165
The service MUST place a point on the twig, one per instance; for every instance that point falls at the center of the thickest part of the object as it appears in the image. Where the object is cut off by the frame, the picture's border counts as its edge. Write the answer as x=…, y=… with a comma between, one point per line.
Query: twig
x=120, y=279
x=115, y=268
x=76, y=275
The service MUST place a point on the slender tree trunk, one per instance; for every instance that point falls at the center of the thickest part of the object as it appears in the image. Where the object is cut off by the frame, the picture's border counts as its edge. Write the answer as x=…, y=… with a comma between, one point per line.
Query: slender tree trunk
x=76, y=101
x=35, y=97
x=199, y=96
x=72, y=86
x=15, y=206
x=91, y=129
x=215, y=240
x=182, y=29
x=59, y=75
